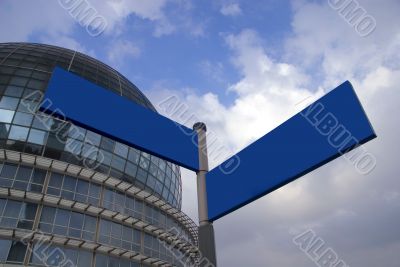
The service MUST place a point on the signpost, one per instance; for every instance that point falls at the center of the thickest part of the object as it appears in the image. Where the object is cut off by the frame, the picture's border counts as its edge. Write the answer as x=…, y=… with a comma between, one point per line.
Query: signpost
x=328, y=128
x=206, y=228
x=99, y=110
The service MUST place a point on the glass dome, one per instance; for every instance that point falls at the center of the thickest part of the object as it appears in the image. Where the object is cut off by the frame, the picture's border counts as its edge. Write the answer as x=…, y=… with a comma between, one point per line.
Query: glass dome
x=26, y=68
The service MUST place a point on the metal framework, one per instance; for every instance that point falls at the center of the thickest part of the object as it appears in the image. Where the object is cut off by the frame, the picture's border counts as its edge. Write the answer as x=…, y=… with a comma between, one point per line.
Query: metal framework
x=184, y=246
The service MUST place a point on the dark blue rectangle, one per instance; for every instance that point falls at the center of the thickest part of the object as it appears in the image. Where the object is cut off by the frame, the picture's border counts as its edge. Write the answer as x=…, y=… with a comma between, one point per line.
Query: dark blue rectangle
x=298, y=146
x=93, y=107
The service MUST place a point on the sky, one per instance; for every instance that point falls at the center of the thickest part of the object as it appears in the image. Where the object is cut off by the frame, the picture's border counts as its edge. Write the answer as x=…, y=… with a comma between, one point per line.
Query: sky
x=244, y=67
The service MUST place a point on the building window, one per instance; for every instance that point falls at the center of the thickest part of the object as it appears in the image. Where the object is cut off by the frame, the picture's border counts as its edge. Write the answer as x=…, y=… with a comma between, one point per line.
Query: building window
x=67, y=223
x=22, y=178
x=50, y=255
x=7, y=102
x=121, y=150
x=69, y=187
x=37, y=137
x=109, y=261
x=118, y=235
x=23, y=119
x=18, y=133
x=6, y=115
x=12, y=251
x=15, y=214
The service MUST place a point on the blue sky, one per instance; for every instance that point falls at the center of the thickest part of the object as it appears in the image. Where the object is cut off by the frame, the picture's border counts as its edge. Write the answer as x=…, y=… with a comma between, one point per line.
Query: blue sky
x=195, y=47
x=242, y=67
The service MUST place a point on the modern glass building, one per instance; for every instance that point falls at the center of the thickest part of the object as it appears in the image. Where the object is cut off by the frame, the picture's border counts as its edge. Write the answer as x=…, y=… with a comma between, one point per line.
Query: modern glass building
x=61, y=204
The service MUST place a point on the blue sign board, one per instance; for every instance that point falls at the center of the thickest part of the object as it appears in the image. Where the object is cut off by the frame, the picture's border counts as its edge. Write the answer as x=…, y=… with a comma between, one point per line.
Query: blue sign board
x=325, y=130
x=95, y=108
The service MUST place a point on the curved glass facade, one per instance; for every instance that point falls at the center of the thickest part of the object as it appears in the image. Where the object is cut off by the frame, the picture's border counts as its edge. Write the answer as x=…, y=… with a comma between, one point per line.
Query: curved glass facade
x=25, y=68
x=113, y=218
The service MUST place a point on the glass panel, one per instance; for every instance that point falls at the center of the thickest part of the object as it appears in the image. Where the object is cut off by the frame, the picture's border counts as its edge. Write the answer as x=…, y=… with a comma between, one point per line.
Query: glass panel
x=38, y=176
x=9, y=102
x=121, y=150
x=18, y=81
x=76, y=132
x=23, y=119
x=73, y=146
x=141, y=175
x=144, y=163
x=131, y=169
x=101, y=260
x=89, y=151
x=113, y=262
x=118, y=163
x=62, y=217
x=83, y=187
x=71, y=255
x=4, y=129
x=8, y=170
x=17, y=252
x=90, y=224
x=92, y=138
x=107, y=144
x=116, y=230
x=18, y=133
x=14, y=91
x=4, y=248
x=2, y=205
x=107, y=156
x=37, y=137
x=133, y=155
x=85, y=258
x=69, y=183
x=48, y=215
x=12, y=209
x=28, y=106
x=76, y=220
x=6, y=115
x=153, y=169
x=124, y=263
x=56, y=180
x=94, y=190
x=42, y=122
x=151, y=181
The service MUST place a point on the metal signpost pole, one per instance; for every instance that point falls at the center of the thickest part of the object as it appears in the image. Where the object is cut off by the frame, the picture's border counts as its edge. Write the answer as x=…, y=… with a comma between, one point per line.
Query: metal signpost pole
x=307, y=141
x=206, y=229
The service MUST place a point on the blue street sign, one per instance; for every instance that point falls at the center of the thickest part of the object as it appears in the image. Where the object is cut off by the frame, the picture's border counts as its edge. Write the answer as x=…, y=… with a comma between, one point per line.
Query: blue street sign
x=95, y=108
x=325, y=130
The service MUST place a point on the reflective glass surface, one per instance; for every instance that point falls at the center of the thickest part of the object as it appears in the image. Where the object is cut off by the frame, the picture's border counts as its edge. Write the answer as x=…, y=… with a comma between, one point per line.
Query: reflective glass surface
x=25, y=70
x=24, y=73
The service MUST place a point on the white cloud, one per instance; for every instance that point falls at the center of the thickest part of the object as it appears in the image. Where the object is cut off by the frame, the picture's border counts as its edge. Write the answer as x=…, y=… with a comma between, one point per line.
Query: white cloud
x=19, y=20
x=213, y=70
x=232, y=9
x=356, y=214
x=268, y=89
x=56, y=27
x=121, y=51
x=353, y=213
x=117, y=11
x=150, y=9
x=179, y=18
